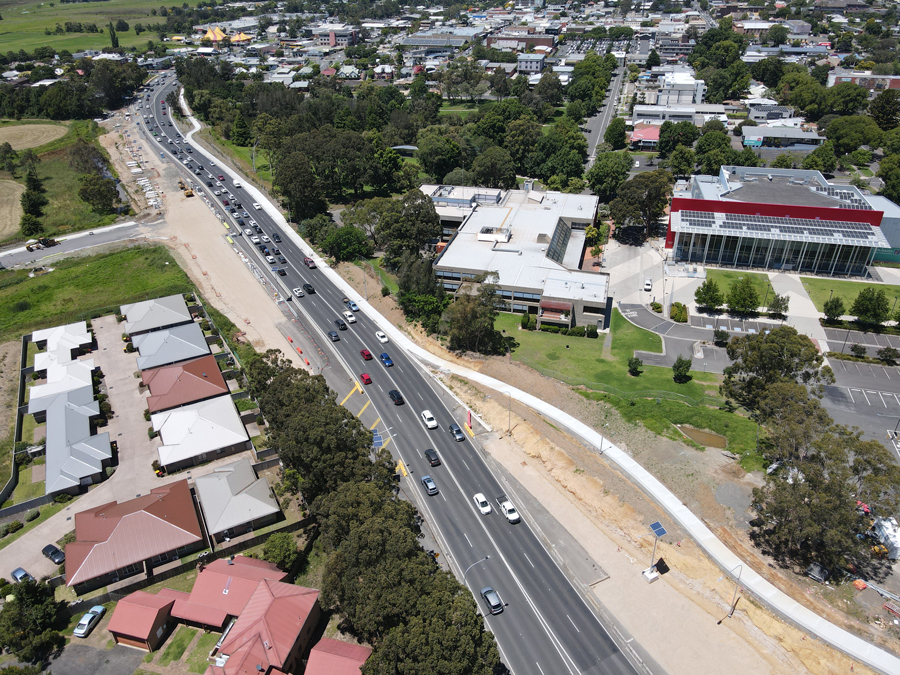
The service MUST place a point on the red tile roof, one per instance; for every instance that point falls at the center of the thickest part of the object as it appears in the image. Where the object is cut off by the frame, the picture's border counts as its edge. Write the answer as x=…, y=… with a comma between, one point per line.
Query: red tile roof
x=185, y=382
x=645, y=133
x=191, y=611
x=228, y=587
x=136, y=614
x=268, y=628
x=333, y=657
x=112, y=536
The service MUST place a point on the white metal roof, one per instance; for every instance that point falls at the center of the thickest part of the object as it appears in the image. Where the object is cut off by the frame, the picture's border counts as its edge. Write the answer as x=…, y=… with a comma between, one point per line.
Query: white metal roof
x=232, y=495
x=198, y=428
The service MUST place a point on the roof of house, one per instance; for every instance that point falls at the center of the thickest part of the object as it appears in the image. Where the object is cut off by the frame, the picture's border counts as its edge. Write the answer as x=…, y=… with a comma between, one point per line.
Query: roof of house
x=155, y=314
x=170, y=346
x=63, y=377
x=111, y=536
x=268, y=628
x=194, y=612
x=197, y=428
x=649, y=132
x=61, y=340
x=137, y=613
x=333, y=657
x=227, y=585
x=179, y=383
x=232, y=495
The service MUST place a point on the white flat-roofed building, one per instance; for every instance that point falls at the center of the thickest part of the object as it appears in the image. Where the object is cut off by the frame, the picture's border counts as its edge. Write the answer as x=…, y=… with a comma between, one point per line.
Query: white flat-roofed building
x=534, y=242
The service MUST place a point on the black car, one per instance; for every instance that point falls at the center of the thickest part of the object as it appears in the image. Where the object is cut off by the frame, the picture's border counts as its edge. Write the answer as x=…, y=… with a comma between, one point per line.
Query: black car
x=432, y=457
x=238, y=205
x=232, y=211
x=276, y=237
x=396, y=397
x=340, y=324
x=282, y=272
x=456, y=432
x=309, y=290
x=282, y=260
x=189, y=150
x=258, y=229
x=334, y=336
x=54, y=554
x=200, y=166
x=241, y=222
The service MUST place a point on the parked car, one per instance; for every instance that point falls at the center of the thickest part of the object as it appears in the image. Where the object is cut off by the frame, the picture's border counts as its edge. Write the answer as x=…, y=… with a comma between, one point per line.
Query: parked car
x=396, y=397
x=492, y=598
x=430, y=486
x=89, y=620
x=429, y=420
x=457, y=432
x=19, y=575
x=366, y=379
x=52, y=552
x=386, y=360
x=432, y=457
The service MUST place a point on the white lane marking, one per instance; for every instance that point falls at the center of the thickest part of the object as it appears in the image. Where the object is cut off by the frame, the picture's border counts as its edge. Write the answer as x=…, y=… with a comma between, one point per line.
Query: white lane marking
x=529, y=560
x=882, y=399
x=867, y=398
x=442, y=496
x=380, y=387
x=850, y=391
x=418, y=452
x=420, y=396
x=467, y=539
x=572, y=622
x=467, y=466
x=399, y=418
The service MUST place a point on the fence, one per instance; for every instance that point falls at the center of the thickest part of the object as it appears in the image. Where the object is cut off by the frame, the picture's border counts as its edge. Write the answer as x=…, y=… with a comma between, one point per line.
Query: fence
x=16, y=509
x=10, y=486
x=267, y=464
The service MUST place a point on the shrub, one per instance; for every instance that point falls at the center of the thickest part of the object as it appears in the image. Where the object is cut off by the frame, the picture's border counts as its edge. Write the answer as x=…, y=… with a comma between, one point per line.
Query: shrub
x=14, y=526
x=524, y=321
x=4, y=530
x=110, y=470
x=204, y=325
x=858, y=350
x=681, y=370
x=32, y=515
x=720, y=336
x=563, y=331
x=634, y=366
x=591, y=332
x=578, y=331
x=63, y=498
x=155, y=465
x=129, y=348
x=888, y=355
x=385, y=291
x=152, y=434
x=147, y=415
x=23, y=458
x=281, y=549
x=656, y=307
x=35, y=376
x=6, y=589
x=189, y=297
x=678, y=312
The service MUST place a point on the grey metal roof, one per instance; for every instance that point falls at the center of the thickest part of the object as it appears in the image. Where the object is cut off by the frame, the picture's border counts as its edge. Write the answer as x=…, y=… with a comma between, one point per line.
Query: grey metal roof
x=155, y=314
x=232, y=495
x=170, y=345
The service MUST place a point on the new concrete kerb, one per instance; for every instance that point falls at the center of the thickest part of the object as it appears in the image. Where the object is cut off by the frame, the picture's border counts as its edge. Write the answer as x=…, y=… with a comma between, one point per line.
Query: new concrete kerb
x=780, y=602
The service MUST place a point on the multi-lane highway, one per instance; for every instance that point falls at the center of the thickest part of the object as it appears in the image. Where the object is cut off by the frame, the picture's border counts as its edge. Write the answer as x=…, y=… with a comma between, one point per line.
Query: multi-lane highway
x=546, y=626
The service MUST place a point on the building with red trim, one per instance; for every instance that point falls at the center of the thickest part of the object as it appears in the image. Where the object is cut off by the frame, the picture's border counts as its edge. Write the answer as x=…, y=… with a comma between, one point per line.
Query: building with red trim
x=780, y=219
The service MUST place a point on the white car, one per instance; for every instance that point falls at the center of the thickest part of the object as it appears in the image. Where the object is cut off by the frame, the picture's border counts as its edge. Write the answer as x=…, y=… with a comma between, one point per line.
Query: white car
x=212, y=163
x=482, y=504
x=648, y=285
x=252, y=223
x=257, y=206
x=89, y=620
x=349, y=317
x=298, y=292
x=248, y=231
x=217, y=193
x=266, y=239
x=254, y=239
x=270, y=260
x=382, y=338
x=429, y=420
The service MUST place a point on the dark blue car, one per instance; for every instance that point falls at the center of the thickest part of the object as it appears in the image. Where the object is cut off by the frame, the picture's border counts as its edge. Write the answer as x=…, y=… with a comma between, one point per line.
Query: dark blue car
x=386, y=360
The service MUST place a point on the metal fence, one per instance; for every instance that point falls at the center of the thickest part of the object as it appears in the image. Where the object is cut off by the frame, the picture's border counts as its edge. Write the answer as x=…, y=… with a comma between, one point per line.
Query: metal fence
x=22, y=507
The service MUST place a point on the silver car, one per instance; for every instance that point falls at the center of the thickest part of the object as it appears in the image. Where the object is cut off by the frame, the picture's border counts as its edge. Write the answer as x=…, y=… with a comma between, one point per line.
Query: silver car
x=89, y=620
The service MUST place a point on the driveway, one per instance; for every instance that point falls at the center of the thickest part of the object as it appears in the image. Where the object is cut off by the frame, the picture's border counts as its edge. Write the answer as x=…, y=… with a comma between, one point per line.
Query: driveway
x=82, y=659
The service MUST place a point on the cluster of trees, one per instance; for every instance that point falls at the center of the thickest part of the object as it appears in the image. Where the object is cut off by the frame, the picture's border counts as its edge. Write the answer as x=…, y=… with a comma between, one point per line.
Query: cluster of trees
x=99, y=192
x=807, y=510
x=742, y=298
x=33, y=200
x=713, y=148
x=377, y=576
x=30, y=622
x=871, y=307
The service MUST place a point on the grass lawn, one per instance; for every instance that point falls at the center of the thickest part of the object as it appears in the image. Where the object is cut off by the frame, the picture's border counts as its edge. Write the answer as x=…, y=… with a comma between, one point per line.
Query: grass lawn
x=28, y=427
x=820, y=289
x=182, y=582
x=727, y=277
x=29, y=358
x=25, y=489
x=78, y=286
x=241, y=156
x=455, y=109
x=196, y=661
x=178, y=642
x=387, y=279
x=313, y=568
x=47, y=510
x=584, y=364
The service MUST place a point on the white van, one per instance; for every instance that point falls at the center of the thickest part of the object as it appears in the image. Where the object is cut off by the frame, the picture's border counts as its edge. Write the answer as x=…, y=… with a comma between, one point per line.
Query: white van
x=237, y=183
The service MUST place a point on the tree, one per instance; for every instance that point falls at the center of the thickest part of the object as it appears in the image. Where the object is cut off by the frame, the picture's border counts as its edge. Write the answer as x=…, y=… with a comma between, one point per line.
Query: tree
x=846, y=98
x=316, y=229
x=33, y=203
x=642, y=200
x=712, y=141
x=871, y=306
x=821, y=159
x=778, y=34
x=33, y=183
x=634, y=366
x=29, y=620
x=367, y=214
x=8, y=158
x=889, y=172
x=494, y=168
x=521, y=137
x=30, y=226
x=438, y=155
x=347, y=243
x=761, y=360
x=834, y=309
x=653, y=59
x=720, y=337
x=100, y=193
x=607, y=174
x=858, y=350
x=615, y=134
x=885, y=109
x=681, y=370
x=682, y=161
x=549, y=89
x=409, y=228
x=113, y=38
x=709, y=296
x=784, y=161
x=712, y=125
x=742, y=296
x=298, y=183
x=849, y=133
x=779, y=304
x=470, y=318
x=122, y=26
x=888, y=354
x=672, y=135
x=240, y=132
x=29, y=160
x=281, y=549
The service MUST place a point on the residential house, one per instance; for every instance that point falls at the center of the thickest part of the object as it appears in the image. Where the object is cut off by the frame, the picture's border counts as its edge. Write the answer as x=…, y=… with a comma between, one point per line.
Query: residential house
x=233, y=500
x=335, y=657
x=181, y=383
x=171, y=345
x=156, y=314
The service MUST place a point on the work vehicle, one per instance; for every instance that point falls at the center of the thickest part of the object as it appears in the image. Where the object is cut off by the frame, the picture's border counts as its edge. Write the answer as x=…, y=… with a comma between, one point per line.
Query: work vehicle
x=43, y=242
x=507, y=508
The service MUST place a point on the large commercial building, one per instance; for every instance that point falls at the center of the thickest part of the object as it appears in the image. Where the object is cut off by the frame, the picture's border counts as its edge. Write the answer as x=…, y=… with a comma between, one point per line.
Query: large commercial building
x=779, y=219
x=534, y=241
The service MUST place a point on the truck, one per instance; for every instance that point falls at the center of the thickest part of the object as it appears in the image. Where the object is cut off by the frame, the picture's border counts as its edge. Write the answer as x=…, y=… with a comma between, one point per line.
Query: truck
x=43, y=242
x=507, y=508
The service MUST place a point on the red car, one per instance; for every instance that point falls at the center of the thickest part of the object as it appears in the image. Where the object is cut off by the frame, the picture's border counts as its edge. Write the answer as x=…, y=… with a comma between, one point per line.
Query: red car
x=225, y=202
x=221, y=177
x=310, y=263
x=365, y=378
x=366, y=354
x=164, y=112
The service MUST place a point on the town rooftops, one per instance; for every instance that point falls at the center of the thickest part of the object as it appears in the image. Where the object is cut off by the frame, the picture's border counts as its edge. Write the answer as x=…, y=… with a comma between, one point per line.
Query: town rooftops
x=112, y=536
x=136, y=614
x=61, y=341
x=148, y=315
x=171, y=345
x=232, y=495
x=198, y=428
x=185, y=382
x=333, y=657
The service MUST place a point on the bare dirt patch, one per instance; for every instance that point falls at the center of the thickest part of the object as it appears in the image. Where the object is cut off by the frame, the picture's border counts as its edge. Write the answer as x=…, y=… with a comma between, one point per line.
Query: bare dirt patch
x=10, y=207
x=22, y=136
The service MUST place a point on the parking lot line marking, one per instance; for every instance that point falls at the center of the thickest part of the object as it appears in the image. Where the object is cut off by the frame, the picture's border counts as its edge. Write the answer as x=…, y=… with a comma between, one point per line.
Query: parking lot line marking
x=849, y=391
x=887, y=373
x=882, y=398
x=359, y=414
x=867, y=398
x=375, y=424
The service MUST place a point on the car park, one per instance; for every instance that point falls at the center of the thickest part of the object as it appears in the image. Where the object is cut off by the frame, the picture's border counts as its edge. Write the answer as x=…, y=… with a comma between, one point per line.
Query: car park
x=429, y=485
x=482, y=504
x=492, y=598
x=428, y=419
x=19, y=575
x=298, y=292
x=457, y=432
x=366, y=354
x=334, y=336
x=382, y=338
x=54, y=554
x=349, y=317
x=386, y=360
x=309, y=289
x=366, y=379
x=432, y=457
x=88, y=621
x=396, y=397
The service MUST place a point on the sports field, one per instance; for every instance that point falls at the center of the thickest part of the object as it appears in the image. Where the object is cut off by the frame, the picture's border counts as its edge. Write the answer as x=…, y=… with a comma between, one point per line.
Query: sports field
x=24, y=23
x=10, y=208
x=24, y=136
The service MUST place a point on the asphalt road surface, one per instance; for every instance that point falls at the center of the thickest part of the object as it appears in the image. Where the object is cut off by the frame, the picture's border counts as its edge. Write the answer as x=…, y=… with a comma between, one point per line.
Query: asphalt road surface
x=596, y=125
x=546, y=626
x=71, y=243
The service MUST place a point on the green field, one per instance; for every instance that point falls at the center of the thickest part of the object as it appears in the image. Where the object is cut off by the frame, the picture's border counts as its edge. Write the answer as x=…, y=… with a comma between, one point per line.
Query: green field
x=727, y=277
x=24, y=24
x=79, y=286
x=820, y=290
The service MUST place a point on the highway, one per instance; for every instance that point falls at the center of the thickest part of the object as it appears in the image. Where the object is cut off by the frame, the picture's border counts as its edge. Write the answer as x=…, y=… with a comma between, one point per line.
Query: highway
x=546, y=627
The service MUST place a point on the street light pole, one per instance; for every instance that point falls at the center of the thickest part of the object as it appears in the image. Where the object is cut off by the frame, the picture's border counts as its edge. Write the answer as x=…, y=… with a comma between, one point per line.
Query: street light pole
x=487, y=557
x=733, y=597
